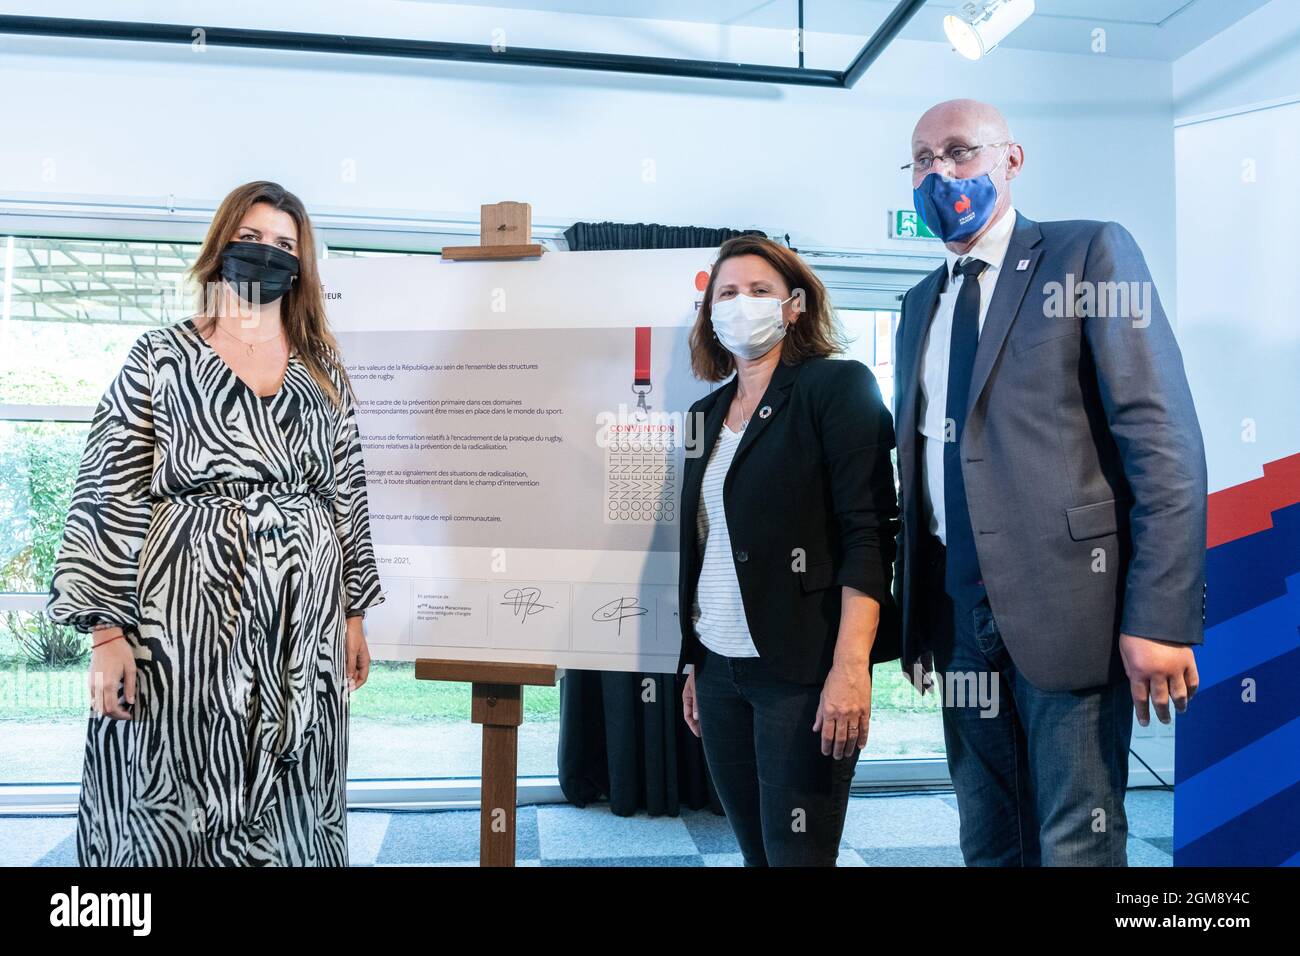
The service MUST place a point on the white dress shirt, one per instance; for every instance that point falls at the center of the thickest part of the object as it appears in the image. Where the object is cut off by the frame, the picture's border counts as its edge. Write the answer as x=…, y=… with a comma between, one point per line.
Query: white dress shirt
x=933, y=416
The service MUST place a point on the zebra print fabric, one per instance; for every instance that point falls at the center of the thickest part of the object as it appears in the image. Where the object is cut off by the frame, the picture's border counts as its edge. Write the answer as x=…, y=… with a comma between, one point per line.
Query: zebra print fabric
x=229, y=537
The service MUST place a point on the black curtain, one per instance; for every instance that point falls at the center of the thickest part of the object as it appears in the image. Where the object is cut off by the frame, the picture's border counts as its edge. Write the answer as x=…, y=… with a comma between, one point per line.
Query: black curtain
x=612, y=742
x=590, y=236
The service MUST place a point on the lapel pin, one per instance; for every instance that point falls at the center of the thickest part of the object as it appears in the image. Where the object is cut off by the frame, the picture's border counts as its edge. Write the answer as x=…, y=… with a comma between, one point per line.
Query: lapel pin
x=1022, y=265
x=765, y=411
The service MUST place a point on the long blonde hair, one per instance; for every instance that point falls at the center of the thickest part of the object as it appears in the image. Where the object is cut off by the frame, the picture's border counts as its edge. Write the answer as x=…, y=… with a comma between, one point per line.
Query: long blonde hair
x=302, y=313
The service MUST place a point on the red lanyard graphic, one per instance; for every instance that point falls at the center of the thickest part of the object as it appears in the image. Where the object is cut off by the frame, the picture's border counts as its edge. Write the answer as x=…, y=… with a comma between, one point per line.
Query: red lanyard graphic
x=641, y=377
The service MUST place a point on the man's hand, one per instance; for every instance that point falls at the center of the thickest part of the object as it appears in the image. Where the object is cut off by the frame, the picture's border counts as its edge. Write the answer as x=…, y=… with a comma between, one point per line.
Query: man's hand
x=1157, y=671
x=921, y=675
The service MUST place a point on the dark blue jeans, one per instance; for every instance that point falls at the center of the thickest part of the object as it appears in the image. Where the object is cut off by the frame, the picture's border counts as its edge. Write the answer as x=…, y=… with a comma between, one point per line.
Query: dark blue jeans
x=785, y=800
x=1040, y=775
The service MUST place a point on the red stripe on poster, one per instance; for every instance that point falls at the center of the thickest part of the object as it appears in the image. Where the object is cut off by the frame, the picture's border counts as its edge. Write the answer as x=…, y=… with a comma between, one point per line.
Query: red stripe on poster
x=642, y=356
x=1248, y=508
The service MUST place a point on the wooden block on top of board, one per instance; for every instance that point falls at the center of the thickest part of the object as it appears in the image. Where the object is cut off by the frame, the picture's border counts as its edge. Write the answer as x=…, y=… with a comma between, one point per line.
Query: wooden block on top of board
x=505, y=229
x=505, y=224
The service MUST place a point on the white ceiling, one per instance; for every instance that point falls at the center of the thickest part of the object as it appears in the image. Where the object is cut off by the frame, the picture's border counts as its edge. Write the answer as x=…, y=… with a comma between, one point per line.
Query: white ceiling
x=1144, y=29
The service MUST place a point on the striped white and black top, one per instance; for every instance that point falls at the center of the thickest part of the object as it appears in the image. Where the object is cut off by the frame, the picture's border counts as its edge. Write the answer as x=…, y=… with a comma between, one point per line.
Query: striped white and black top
x=719, y=613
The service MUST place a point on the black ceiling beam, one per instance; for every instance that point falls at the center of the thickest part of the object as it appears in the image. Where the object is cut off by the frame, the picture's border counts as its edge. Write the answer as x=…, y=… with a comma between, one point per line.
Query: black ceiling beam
x=883, y=36
x=414, y=49
x=176, y=33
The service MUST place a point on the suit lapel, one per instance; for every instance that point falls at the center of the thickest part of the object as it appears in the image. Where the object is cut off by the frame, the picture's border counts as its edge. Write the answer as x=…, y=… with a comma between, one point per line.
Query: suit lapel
x=1008, y=293
x=773, y=400
x=913, y=330
x=713, y=420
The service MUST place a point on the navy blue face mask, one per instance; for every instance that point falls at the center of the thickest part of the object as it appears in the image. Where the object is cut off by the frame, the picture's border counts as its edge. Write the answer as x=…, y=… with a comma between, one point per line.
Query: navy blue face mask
x=955, y=209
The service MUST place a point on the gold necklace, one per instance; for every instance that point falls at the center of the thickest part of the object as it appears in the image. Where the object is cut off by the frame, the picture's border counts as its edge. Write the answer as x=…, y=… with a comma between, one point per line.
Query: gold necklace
x=250, y=345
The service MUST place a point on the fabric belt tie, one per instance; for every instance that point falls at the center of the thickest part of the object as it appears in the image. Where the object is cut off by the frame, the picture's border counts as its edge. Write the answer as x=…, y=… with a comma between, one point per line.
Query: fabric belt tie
x=271, y=663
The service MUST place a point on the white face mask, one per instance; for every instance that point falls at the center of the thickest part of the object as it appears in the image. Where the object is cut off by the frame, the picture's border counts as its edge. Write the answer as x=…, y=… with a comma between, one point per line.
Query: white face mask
x=749, y=326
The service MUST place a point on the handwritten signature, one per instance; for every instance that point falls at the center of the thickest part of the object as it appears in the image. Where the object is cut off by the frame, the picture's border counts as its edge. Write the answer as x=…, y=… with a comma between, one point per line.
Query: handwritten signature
x=617, y=610
x=524, y=602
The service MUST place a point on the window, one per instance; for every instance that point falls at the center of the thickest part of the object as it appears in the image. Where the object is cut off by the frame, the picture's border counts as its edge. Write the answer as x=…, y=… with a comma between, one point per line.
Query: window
x=71, y=309
x=904, y=724
x=871, y=334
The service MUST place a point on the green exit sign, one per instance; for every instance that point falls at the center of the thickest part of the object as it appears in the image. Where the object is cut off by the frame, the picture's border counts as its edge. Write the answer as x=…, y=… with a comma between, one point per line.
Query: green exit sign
x=906, y=224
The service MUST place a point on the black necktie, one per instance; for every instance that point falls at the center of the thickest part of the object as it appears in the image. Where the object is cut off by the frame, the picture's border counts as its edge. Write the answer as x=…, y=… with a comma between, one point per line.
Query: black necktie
x=962, y=573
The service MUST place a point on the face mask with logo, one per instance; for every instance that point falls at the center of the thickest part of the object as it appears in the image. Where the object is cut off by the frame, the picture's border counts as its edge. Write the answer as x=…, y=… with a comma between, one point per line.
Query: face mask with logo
x=748, y=326
x=956, y=209
x=245, y=263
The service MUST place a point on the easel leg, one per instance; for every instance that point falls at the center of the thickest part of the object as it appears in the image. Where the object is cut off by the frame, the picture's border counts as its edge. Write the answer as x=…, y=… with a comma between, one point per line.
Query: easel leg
x=499, y=708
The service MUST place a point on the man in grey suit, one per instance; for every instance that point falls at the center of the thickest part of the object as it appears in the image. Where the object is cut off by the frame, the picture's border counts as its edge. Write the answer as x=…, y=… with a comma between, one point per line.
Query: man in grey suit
x=1052, y=552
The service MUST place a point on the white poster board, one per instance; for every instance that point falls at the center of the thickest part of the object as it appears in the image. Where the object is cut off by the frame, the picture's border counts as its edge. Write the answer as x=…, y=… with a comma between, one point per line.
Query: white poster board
x=524, y=507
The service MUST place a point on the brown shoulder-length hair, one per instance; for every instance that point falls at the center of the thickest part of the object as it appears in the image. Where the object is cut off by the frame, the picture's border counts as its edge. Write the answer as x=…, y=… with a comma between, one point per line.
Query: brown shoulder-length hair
x=815, y=333
x=302, y=312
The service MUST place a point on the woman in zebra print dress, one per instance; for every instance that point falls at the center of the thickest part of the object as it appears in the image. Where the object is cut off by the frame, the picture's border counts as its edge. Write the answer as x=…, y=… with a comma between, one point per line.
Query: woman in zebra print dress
x=218, y=549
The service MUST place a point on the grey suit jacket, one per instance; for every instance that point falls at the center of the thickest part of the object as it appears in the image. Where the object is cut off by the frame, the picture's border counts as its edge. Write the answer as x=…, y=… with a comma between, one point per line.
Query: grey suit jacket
x=1082, y=458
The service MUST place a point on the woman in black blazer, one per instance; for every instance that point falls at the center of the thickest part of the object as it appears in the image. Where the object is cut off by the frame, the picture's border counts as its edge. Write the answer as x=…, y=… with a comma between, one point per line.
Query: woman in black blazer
x=789, y=515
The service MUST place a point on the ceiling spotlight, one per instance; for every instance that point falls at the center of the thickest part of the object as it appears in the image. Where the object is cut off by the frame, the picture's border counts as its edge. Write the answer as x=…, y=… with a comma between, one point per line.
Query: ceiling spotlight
x=980, y=26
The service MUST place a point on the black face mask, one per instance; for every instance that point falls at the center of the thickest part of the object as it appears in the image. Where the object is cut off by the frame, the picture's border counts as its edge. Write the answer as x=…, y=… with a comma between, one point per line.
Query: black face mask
x=273, y=269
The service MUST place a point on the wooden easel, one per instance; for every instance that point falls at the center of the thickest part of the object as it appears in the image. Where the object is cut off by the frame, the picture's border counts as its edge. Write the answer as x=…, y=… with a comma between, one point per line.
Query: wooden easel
x=498, y=704
x=505, y=231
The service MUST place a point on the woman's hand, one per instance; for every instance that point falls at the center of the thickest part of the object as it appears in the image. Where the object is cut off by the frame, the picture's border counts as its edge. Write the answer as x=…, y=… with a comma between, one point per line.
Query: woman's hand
x=689, y=710
x=111, y=664
x=844, y=710
x=358, y=654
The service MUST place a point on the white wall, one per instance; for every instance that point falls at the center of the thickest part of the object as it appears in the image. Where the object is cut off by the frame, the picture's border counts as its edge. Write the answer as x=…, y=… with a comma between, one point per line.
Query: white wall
x=1256, y=60
x=146, y=121
x=1237, y=217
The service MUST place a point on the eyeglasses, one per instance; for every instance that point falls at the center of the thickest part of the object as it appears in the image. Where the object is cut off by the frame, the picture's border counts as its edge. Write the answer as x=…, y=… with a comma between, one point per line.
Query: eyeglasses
x=958, y=155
